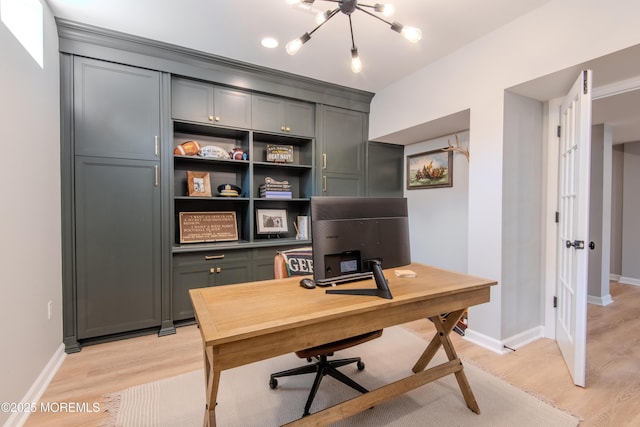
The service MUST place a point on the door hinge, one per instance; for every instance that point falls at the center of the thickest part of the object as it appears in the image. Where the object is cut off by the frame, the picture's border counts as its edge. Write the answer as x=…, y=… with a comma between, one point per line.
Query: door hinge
x=555, y=302
x=557, y=216
x=585, y=82
x=559, y=127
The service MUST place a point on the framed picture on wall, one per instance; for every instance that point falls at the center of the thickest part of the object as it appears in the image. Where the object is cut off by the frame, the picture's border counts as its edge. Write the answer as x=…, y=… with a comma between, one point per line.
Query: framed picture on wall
x=270, y=221
x=431, y=169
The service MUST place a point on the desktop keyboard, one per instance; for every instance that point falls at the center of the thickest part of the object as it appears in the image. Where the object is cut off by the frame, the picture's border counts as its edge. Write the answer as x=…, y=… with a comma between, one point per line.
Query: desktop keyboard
x=344, y=278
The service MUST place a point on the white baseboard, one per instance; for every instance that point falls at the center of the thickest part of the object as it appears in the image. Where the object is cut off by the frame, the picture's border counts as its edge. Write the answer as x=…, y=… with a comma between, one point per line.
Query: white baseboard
x=506, y=345
x=524, y=338
x=629, y=281
x=614, y=277
x=601, y=301
x=36, y=390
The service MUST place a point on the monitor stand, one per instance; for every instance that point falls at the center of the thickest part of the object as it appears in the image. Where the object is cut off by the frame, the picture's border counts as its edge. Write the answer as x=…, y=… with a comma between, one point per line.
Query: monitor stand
x=382, y=286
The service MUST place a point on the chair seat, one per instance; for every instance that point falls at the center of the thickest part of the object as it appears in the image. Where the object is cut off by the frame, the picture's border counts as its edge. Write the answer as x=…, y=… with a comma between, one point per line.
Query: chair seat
x=329, y=348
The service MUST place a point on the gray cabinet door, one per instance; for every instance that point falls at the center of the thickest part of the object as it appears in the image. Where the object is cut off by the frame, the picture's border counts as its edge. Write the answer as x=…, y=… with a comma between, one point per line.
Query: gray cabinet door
x=232, y=107
x=200, y=270
x=116, y=110
x=384, y=169
x=205, y=103
x=279, y=115
x=342, y=152
x=191, y=100
x=267, y=113
x=342, y=185
x=300, y=118
x=117, y=245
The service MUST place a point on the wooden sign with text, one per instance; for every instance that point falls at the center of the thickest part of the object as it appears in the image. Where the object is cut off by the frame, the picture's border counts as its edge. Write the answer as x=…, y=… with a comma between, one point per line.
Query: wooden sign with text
x=198, y=227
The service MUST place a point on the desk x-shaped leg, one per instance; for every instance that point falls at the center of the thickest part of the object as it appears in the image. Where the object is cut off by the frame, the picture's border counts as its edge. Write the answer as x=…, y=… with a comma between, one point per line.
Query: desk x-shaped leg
x=441, y=338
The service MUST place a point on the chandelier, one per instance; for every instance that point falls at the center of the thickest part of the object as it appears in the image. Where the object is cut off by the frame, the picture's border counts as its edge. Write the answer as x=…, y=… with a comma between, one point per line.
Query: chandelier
x=348, y=7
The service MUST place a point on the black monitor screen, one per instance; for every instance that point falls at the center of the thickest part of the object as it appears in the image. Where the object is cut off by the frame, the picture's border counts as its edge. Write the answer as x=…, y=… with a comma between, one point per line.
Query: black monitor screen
x=349, y=232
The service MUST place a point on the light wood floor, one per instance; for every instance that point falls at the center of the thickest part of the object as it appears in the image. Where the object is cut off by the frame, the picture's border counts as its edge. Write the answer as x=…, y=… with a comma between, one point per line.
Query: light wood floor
x=611, y=398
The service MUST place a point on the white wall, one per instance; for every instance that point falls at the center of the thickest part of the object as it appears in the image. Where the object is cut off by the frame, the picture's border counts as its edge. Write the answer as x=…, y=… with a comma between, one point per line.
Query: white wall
x=630, y=214
x=600, y=215
x=438, y=216
x=558, y=35
x=617, y=170
x=30, y=275
x=522, y=233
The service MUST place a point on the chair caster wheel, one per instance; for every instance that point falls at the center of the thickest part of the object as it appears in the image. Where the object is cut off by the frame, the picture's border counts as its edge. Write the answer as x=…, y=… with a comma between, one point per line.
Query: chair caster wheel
x=273, y=383
x=360, y=366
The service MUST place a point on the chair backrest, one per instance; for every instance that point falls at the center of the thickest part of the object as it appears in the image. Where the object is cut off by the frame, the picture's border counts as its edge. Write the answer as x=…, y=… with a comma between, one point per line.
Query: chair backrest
x=293, y=262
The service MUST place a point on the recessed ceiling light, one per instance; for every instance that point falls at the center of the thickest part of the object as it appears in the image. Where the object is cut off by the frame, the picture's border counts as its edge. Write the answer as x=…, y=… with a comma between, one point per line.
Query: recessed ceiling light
x=269, y=42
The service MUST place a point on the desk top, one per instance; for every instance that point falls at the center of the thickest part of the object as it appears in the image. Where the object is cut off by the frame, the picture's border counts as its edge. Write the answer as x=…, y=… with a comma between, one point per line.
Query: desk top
x=243, y=311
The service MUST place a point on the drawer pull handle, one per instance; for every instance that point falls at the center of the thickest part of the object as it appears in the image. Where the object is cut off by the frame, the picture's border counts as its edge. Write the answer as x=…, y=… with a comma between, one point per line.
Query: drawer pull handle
x=210, y=257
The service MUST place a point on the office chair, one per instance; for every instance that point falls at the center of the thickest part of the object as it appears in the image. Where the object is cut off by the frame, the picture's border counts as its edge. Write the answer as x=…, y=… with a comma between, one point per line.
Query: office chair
x=323, y=366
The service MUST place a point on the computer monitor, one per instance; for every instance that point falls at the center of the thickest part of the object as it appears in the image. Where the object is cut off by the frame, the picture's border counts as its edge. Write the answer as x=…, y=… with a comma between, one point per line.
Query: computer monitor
x=359, y=234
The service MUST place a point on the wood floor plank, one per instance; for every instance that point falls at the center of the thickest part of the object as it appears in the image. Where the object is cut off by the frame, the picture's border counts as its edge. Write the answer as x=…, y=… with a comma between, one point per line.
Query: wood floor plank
x=611, y=398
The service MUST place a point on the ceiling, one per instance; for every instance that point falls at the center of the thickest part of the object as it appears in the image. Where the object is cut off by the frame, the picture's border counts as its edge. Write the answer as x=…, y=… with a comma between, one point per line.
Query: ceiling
x=234, y=29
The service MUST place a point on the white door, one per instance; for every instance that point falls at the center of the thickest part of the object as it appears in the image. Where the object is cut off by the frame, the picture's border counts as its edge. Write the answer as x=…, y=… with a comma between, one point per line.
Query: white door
x=573, y=207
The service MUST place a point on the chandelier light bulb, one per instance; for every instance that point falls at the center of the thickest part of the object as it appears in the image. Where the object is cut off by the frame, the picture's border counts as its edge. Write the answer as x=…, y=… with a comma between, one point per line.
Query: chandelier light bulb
x=356, y=64
x=412, y=34
x=322, y=16
x=386, y=9
x=294, y=45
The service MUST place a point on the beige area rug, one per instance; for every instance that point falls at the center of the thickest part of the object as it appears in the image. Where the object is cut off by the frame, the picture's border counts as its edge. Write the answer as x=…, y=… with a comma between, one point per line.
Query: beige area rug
x=245, y=399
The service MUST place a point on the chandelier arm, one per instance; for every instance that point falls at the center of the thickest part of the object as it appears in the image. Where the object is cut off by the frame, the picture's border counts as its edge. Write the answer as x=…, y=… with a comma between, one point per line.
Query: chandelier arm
x=331, y=15
x=370, y=6
x=353, y=42
x=371, y=14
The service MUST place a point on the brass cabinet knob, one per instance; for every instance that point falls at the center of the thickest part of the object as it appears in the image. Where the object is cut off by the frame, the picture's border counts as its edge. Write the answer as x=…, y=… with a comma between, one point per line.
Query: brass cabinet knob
x=288, y=129
x=210, y=118
x=282, y=128
x=212, y=270
x=217, y=118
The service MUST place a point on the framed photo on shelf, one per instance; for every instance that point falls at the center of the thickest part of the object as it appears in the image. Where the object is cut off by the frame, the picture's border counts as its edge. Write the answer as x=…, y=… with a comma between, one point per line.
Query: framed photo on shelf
x=431, y=169
x=198, y=184
x=271, y=221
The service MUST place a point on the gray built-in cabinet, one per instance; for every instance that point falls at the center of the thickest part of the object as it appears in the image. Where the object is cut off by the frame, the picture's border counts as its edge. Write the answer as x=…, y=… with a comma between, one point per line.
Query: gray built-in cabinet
x=342, y=165
x=126, y=103
x=117, y=197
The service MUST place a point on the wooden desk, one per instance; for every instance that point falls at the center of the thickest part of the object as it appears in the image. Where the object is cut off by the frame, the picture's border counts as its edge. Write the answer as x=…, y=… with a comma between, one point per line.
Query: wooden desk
x=248, y=322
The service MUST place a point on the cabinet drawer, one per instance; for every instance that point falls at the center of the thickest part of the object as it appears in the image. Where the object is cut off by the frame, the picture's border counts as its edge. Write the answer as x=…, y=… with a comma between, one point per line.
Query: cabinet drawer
x=208, y=257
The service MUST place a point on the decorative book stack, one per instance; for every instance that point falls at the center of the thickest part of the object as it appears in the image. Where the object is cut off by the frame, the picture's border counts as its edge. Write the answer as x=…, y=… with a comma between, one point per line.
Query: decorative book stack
x=272, y=189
